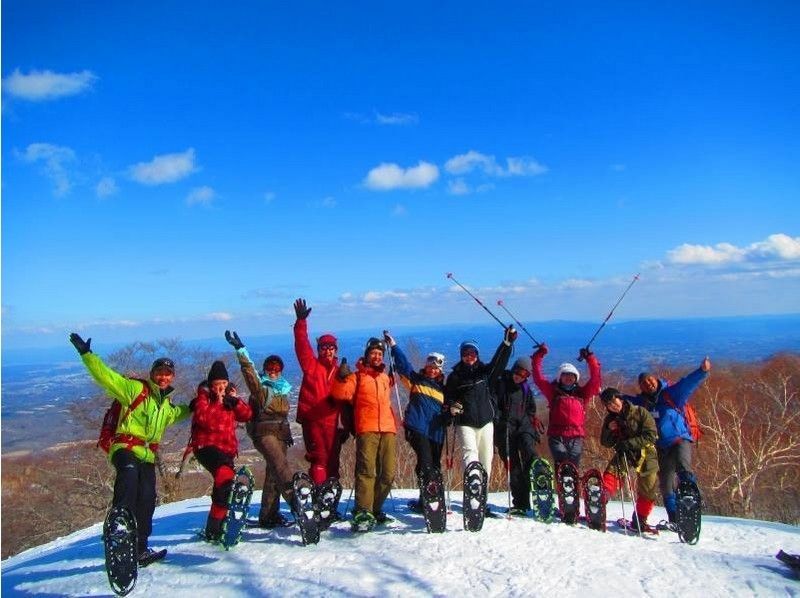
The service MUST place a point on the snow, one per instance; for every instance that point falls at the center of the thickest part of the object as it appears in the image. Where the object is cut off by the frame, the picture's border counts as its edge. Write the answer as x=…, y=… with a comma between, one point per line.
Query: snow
x=517, y=557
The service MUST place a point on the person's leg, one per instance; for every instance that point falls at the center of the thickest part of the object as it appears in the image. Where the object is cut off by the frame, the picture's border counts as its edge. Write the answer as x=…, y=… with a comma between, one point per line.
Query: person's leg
x=220, y=465
x=667, y=465
x=485, y=439
x=387, y=462
x=646, y=495
x=574, y=448
x=468, y=438
x=145, y=504
x=317, y=453
x=366, y=471
x=558, y=450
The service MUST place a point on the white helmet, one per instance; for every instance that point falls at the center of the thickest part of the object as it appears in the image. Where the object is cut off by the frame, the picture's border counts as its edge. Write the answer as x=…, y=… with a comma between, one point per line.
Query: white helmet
x=568, y=368
x=435, y=359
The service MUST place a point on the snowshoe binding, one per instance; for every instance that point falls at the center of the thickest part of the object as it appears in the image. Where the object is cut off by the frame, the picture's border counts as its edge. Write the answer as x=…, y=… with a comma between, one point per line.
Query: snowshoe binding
x=304, y=508
x=150, y=556
x=238, y=507
x=634, y=526
x=326, y=499
x=541, y=480
x=120, y=543
x=791, y=560
x=475, y=487
x=569, y=499
x=689, y=513
x=594, y=499
x=363, y=521
x=433, y=505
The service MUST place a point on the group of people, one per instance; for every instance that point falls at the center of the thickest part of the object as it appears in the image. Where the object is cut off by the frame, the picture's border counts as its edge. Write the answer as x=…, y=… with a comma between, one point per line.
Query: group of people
x=489, y=405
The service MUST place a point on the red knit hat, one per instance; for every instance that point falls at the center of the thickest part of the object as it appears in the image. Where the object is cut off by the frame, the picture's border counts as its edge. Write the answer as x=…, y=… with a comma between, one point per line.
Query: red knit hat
x=327, y=339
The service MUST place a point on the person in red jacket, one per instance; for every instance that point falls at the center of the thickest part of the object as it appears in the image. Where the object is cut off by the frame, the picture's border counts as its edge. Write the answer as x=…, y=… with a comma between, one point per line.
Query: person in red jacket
x=317, y=413
x=217, y=408
x=566, y=400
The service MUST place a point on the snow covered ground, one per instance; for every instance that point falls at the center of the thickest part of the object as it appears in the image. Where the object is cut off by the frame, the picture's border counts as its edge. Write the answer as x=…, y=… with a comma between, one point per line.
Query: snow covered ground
x=517, y=557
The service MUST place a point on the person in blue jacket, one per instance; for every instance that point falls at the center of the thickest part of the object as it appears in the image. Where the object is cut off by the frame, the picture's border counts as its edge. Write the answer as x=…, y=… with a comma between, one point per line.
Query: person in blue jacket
x=666, y=403
x=424, y=418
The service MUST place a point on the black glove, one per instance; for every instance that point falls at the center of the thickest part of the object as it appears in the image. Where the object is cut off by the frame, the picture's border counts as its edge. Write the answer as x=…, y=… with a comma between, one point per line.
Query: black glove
x=510, y=335
x=622, y=447
x=584, y=354
x=234, y=340
x=388, y=338
x=193, y=404
x=301, y=310
x=344, y=370
x=229, y=402
x=81, y=345
x=542, y=350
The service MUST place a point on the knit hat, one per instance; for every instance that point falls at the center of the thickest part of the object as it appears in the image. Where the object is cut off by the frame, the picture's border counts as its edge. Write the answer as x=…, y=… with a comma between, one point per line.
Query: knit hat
x=163, y=363
x=568, y=368
x=523, y=363
x=609, y=394
x=468, y=345
x=374, y=343
x=327, y=339
x=644, y=375
x=273, y=359
x=217, y=372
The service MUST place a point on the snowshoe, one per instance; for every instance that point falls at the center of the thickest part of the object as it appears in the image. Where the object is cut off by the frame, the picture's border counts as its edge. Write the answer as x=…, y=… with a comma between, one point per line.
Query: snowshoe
x=517, y=512
x=594, y=500
x=541, y=479
x=363, y=521
x=433, y=505
x=634, y=527
x=474, y=505
x=792, y=560
x=415, y=506
x=120, y=543
x=690, y=508
x=238, y=507
x=305, y=512
x=569, y=500
x=279, y=521
x=666, y=526
x=150, y=556
x=326, y=499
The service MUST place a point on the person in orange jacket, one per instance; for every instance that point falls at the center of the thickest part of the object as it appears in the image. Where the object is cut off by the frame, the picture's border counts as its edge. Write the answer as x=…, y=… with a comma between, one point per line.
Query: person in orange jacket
x=369, y=390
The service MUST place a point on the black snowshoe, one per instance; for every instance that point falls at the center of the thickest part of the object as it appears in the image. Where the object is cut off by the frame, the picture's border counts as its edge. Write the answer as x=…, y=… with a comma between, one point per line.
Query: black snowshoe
x=433, y=505
x=120, y=543
x=150, y=556
x=541, y=479
x=326, y=499
x=238, y=507
x=569, y=498
x=476, y=483
x=594, y=499
x=304, y=508
x=690, y=509
x=792, y=560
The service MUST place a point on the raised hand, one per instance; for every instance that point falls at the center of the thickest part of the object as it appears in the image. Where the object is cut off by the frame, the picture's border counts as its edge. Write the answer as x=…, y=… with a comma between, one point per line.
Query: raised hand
x=542, y=350
x=234, y=339
x=510, y=335
x=344, y=370
x=705, y=365
x=81, y=345
x=389, y=338
x=301, y=310
x=584, y=354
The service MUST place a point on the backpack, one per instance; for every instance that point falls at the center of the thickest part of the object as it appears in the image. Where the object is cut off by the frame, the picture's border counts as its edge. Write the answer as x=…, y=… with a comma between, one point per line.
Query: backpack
x=689, y=415
x=112, y=419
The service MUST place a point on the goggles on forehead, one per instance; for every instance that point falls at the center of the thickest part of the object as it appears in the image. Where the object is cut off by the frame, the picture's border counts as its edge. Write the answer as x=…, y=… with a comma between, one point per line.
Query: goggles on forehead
x=435, y=359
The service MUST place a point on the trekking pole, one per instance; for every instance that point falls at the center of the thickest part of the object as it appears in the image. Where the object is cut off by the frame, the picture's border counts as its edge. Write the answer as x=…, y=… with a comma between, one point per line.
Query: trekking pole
x=630, y=492
x=450, y=276
x=449, y=452
x=608, y=317
x=518, y=323
x=394, y=380
x=508, y=471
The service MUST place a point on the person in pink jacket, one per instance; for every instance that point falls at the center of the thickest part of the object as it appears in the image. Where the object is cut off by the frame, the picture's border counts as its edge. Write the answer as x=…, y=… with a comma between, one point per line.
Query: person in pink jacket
x=566, y=400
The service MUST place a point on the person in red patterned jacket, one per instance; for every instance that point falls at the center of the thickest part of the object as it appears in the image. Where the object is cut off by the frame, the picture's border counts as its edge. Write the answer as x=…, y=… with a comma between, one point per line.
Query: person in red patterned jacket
x=317, y=413
x=217, y=408
x=566, y=400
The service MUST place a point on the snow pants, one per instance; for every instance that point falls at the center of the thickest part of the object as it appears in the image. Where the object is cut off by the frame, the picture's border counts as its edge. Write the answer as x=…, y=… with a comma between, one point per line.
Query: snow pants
x=135, y=488
x=675, y=459
x=477, y=444
x=565, y=449
x=376, y=462
x=277, y=476
x=220, y=466
x=323, y=442
x=521, y=453
x=646, y=488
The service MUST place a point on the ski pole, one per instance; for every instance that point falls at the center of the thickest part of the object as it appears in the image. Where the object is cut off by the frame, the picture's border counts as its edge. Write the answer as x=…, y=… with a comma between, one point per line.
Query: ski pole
x=451, y=277
x=630, y=493
x=449, y=451
x=518, y=323
x=508, y=470
x=622, y=497
x=608, y=317
x=394, y=381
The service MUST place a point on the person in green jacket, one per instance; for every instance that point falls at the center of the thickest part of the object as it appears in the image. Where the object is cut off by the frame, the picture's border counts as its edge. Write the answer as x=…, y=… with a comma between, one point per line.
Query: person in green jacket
x=133, y=448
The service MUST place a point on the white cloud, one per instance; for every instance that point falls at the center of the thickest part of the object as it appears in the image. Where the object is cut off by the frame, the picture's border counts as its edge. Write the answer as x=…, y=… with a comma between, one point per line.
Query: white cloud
x=203, y=196
x=47, y=85
x=473, y=160
x=458, y=187
x=166, y=168
x=328, y=202
x=54, y=159
x=777, y=247
x=388, y=176
x=399, y=210
x=106, y=187
x=396, y=118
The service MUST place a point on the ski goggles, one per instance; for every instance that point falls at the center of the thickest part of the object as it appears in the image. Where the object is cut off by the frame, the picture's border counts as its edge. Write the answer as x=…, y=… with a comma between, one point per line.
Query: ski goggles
x=435, y=359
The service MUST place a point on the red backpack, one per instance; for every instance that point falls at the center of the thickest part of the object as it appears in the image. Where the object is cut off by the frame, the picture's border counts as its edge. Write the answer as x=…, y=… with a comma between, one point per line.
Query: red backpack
x=112, y=418
x=689, y=415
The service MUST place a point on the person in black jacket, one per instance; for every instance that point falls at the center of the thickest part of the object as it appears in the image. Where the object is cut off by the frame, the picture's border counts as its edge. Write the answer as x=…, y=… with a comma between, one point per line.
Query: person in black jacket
x=469, y=398
x=515, y=434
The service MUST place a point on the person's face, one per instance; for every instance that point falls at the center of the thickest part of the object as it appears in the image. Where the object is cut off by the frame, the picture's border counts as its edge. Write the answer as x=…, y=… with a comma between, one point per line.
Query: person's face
x=568, y=379
x=614, y=405
x=648, y=384
x=327, y=352
x=432, y=371
x=375, y=358
x=163, y=377
x=218, y=387
x=520, y=375
x=469, y=356
x=273, y=370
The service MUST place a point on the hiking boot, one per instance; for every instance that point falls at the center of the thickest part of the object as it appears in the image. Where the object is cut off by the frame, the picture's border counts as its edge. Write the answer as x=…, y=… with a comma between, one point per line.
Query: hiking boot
x=213, y=531
x=272, y=522
x=381, y=517
x=517, y=512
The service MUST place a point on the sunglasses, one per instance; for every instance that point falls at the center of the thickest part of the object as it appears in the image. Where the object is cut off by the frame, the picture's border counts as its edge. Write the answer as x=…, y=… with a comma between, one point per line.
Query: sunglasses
x=327, y=347
x=273, y=367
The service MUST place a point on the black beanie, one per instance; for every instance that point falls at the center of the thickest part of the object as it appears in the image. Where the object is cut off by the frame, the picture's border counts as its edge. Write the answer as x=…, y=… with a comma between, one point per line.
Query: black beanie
x=609, y=394
x=217, y=372
x=272, y=359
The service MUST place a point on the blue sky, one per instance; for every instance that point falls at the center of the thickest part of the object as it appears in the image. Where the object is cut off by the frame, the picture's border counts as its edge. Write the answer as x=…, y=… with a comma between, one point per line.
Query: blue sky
x=176, y=169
